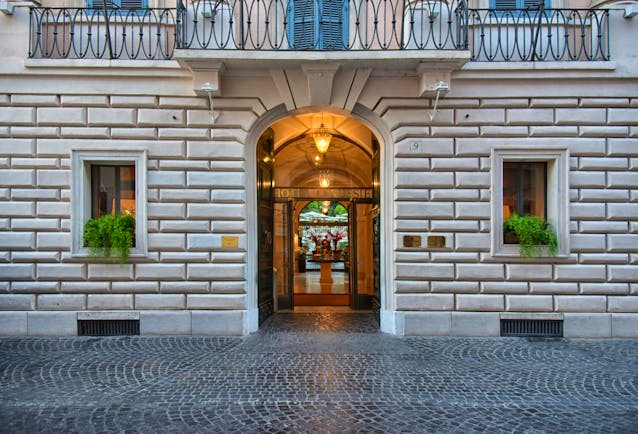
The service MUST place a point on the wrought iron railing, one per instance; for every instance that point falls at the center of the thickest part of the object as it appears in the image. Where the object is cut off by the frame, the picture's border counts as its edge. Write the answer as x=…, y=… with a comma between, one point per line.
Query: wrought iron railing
x=86, y=33
x=320, y=25
x=538, y=35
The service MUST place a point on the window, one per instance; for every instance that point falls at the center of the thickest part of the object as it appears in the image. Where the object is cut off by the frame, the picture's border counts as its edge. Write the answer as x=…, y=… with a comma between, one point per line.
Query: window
x=531, y=5
x=105, y=182
x=117, y=4
x=532, y=182
x=524, y=188
x=318, y=24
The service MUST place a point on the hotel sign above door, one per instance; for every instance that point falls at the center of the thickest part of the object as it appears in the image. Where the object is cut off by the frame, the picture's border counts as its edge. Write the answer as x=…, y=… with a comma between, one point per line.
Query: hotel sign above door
x=322, y=193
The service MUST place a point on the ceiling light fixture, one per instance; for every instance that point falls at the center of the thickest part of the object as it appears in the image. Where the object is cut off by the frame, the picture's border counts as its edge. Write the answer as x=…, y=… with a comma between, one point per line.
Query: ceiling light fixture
x=324, y=179
x=322, y=138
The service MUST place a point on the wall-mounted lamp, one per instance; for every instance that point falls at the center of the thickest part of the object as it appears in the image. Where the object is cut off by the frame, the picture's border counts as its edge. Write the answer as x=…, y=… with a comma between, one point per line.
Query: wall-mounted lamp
x=441, y=86
x=208, y=89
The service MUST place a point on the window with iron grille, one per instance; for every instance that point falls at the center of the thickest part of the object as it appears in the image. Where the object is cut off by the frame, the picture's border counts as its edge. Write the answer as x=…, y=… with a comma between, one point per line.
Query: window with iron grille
x=531, y=5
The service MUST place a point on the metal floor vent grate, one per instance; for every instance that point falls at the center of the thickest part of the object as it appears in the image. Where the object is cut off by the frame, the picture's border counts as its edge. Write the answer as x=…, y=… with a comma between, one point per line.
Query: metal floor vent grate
x=101, y=327
x=532, y=327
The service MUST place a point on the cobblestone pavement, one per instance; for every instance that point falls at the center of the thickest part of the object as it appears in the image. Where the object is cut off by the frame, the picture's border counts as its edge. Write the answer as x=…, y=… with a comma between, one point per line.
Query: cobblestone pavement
x=317, y=373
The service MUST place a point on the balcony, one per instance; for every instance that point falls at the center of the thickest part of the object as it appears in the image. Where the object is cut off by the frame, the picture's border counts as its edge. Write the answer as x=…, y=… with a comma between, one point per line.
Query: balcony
x=349, y=28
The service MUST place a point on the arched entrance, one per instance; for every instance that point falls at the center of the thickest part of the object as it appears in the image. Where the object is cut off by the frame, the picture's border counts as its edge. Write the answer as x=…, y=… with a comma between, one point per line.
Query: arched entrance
x=318, y=214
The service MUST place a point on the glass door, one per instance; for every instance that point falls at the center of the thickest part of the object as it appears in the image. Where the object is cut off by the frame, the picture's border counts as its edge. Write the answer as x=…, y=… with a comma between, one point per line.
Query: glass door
x=283, y=256
x=361, y=258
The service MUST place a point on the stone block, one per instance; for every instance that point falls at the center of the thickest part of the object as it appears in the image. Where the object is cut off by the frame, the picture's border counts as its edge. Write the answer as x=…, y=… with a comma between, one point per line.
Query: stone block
x=215, y=179
x=472, y=242
x=133, y=101
x=526, y=116
x=607, y=163
x=160, y=271
x=580, y=272
x=17, y=301
x=219, y=323
x=61, y=302
x=529, y=303
x=34, y=287
x=17, y=148
x=424, y=323
x=424, y=210
x=475, y=324
x=120, y=117
x=160, y=301
x=216, y=301
x=109, y=301
x=214, y=150
x=622, y=211
x=85, y=287
x=228, y=195
x=165, y=323
x=602, y=227
x=13, y=323
x=110, y=271
x=455, y=163
x=160, y=117
x=581, y=116
x=83, y=100
x=184, y=195
x=45, y=323
x=603, y=195
x=59, y=116
x=455, y=287
x=166, y=178
x=189, y=226
x=17, y=240
x=17, y=271
x=622, y=242
x=587, y=325
x=622, y=180
x=188, y=287
x=472, y=210
x=216, y=211
x=53, y=209
x=480, y=271
x=480, y=302
x=584, y=179
x=587, y=243
x=622, y=116
x=622, y=304
x=216, y=271
x=581, y=303
x=17, y=116
x=61, y=271
x=173, y=242
x=84, y=132
x=53, y=240
x=604, y=288
x=135, y=287
x=17, y=177
x=527, y=272
x=53, y=178
x=587, y=211
x=623, y=273
x=624, y=325
x=421, y=271
x=166, y=211
x=425, y=302
x=504, y=287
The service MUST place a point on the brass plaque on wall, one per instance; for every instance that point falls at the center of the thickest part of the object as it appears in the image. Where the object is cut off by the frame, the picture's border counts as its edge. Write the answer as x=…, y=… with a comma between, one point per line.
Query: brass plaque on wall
x=436, y=241
x=412, y=241
x=231, y=241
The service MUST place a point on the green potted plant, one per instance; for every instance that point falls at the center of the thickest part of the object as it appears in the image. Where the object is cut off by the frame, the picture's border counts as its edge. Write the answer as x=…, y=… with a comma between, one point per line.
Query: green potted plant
x=110, y=236
x=532, y=233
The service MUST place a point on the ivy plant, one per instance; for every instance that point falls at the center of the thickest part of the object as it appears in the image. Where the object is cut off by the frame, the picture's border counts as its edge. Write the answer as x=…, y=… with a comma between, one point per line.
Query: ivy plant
x=110, y=236
x=533, y=234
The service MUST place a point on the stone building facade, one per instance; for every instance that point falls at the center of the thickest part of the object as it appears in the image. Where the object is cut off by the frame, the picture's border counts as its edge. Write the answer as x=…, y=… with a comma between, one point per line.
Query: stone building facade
x=440, y=174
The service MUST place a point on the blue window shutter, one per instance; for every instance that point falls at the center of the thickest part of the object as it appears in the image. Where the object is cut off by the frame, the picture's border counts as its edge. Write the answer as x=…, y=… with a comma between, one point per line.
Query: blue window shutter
x=303, y=24
x=519, y=4
x=334, y=15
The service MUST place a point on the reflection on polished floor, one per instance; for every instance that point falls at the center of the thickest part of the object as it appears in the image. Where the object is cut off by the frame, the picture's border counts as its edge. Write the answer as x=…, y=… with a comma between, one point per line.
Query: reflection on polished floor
x=310, y=292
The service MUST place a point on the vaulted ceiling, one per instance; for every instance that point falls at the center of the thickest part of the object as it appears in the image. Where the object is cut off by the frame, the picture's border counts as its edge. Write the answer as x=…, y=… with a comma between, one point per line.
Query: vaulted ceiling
x=298, y=163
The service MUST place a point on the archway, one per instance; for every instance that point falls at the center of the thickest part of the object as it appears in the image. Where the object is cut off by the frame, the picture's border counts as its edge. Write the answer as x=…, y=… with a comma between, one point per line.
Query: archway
x=294, y=186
